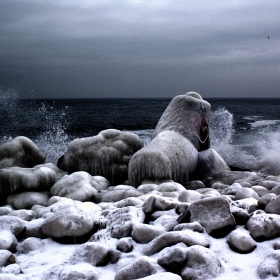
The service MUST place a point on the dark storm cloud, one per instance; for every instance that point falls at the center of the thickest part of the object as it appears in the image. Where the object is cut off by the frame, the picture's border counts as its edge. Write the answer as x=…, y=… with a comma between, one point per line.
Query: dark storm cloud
x=90, y=48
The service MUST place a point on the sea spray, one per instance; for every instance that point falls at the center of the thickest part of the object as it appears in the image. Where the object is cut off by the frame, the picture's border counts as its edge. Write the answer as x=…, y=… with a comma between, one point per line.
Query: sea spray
x=52, y=140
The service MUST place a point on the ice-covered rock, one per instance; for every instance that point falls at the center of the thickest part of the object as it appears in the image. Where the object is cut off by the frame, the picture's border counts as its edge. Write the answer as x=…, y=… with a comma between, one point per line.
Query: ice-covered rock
x=264, y=226
x=201, y=264
x=190, y=196
x=26, y=200
x=121, y=221
x=162, y=276
x=125, y=244
x=194, y=226
x=169, y=156
x=34, y=228
x=90, y=252
x=143, y=267
x=144, y=233
x=79, y=186
x=212, y=213
x=83, y=271
x=262, y=201
x=241, y=241
x=7, y=241
x=241, y=215
x=246, y=193
x=5, y=210
x=6, y=257
x=72, y=221
x=21, y=152
x=156, y=202
x=26, y=215
x=273, y=206
x=270, y=266
x=260, y=190
x=106, y=154
x=30, y=244
x=120, y=192
x=19, y=179
x=168, y=239
x=13, y=224
x=173, y=258
x=268, y=184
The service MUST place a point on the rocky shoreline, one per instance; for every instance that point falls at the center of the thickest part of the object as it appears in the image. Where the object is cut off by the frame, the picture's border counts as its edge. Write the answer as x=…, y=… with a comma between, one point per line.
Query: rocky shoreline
x=175, y=210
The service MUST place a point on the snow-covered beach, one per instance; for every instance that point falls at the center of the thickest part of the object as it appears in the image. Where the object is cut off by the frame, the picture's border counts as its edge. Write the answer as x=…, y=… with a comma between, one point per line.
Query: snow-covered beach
x=163, y=217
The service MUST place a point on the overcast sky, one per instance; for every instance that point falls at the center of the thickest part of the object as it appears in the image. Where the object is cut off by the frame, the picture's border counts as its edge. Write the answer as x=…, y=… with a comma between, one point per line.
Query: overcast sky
x=140, y=48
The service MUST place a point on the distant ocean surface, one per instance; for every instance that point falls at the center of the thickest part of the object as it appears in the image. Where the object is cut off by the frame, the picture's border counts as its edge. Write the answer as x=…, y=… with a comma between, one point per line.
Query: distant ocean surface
x=245, y=132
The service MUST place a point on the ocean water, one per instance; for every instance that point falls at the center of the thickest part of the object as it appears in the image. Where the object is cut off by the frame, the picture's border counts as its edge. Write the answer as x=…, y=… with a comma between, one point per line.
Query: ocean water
x=245, y=132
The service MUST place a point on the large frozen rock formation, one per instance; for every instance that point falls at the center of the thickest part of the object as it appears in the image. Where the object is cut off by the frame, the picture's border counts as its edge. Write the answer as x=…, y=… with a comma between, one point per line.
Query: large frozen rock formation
x=106, y=154
x=180, y=146
x=20, y=151
x=18, y=179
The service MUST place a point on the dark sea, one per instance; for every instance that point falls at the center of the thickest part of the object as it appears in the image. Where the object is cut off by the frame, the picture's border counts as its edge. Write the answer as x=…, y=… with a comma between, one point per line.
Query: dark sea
x=245, y=132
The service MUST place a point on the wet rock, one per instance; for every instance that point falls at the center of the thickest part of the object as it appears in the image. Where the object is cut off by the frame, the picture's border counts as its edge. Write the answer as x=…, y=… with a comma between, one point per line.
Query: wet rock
x=144, y=233
x=139, y=269
x=80, y=271
x=241, y=215
x=268, y=184
x=90, y=252
x=264, y=226
x=270, y=266
x=8, y=241
x=26, y=200
x=201, y=264
x=246, y=193
x=241, y=242
x=260, y=190
x=168, y=239
x=273, y=206
x=121, y=221
x=125, y=244
x=212, y=213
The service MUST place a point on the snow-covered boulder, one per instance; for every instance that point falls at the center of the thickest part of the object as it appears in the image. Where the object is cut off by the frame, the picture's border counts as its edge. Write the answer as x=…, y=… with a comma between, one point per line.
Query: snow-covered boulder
x=21, y=152
x=212, y=213
x=270, y=266
x=19, y=179
x=106, y=154
x=264, y=226
x=201, y=264
x=70, y=222
x=8, y=241
x=144, y=233
x=139, y=269
x=79, y=186
x=13, y=224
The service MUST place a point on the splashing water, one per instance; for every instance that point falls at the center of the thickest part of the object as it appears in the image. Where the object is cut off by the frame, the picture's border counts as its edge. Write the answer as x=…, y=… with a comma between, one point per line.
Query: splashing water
x=53, y=140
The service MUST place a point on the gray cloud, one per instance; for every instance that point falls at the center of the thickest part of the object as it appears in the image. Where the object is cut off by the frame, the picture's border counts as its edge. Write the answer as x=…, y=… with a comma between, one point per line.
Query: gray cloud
x=94, y=48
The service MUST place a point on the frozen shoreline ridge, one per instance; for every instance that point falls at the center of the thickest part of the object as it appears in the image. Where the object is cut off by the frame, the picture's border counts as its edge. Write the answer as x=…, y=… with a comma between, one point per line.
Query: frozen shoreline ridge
x=175, y=210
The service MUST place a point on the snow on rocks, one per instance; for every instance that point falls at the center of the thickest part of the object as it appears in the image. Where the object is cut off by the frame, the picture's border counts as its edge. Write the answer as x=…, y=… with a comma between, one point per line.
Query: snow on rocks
x=212, y=213
x=201, y=263
x=270, y=266
x=19, y=179
x=80, y=186
x=21, y=152
x=106, y=154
